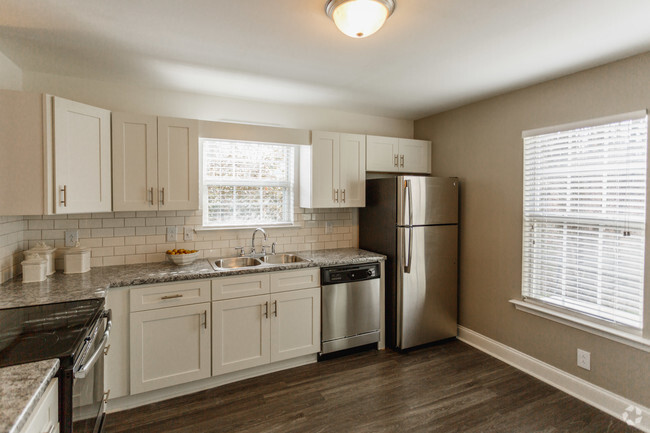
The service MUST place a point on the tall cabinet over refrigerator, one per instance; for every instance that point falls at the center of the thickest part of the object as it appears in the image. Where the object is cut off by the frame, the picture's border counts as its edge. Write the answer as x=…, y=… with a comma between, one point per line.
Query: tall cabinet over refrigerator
x=413, y=220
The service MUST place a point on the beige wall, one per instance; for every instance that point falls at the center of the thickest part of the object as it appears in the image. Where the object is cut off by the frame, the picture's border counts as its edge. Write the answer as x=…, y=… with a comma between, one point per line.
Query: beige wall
x=481, y=143
x=11, y=77
x=122, y=97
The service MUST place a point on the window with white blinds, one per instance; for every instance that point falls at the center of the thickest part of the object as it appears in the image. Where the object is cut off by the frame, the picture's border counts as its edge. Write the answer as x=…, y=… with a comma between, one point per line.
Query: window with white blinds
x=247, y=184
x=584, y=217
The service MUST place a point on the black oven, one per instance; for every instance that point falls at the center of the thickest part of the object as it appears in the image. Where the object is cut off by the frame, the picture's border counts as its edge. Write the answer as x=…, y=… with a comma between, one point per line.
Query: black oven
x=85, y=378
x=77, y=333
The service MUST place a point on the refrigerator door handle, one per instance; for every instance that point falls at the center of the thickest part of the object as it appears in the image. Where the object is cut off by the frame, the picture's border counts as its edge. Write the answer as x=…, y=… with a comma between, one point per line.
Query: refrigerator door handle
x=407, y=185
x=407, y=264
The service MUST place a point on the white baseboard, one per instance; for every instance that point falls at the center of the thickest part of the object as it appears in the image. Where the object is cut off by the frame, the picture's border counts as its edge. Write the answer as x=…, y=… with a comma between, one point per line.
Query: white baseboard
x=619, y=407
x=133, y=401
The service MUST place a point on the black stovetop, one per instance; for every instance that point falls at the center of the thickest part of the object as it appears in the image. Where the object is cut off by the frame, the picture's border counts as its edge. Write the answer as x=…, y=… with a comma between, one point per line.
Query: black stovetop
x=49, y=331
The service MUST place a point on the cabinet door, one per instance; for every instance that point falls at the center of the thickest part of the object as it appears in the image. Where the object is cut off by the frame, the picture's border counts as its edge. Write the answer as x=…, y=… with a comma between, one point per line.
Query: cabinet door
x=82, y=157
x=415, y=156
x=325, y=169
x=178, y=164
x=382, y=153
x=135, y=162
x=240, y=334
x=295, y=323
x=169, y=346
x=45, y=417
x=352, y=164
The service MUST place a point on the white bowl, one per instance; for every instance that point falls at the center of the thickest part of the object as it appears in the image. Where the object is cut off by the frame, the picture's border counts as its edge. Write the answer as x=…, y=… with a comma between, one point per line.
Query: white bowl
x=183, y=259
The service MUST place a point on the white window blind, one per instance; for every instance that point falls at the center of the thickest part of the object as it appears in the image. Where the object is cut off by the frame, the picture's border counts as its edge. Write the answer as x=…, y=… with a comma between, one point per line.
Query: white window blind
x=584, y=218
x=247, y=184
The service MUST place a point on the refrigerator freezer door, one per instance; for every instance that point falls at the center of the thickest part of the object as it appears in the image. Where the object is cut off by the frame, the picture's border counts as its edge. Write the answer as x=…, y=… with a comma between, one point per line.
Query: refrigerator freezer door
x=427, y=293
x=424, y=200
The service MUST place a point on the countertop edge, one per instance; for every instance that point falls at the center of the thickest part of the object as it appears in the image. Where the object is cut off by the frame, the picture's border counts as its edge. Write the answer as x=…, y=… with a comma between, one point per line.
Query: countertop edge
x=33, y=401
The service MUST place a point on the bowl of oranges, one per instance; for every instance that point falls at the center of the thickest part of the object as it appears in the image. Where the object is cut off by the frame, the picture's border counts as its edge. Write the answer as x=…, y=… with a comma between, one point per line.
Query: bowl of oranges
x=182, y=257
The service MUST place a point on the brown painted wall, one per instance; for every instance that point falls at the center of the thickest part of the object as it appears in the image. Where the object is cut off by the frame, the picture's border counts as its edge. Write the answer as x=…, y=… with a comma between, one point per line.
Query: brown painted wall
x=481, y=143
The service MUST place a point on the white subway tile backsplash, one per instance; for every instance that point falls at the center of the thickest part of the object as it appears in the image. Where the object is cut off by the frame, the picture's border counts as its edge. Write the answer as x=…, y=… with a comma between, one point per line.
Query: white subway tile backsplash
x=140, y=237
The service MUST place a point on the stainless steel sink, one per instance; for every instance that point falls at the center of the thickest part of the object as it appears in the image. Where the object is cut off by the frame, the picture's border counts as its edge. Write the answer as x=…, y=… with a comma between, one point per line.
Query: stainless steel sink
x=280, y=259
x=236, y=262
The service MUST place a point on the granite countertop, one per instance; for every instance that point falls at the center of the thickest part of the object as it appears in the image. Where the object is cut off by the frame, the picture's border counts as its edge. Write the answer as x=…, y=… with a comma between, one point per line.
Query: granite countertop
x=22, y=387
x=94, y=284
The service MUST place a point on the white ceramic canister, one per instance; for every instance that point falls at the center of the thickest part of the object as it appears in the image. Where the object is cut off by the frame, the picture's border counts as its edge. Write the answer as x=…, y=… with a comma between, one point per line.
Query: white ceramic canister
x=34, y=268
x=76, y=260
x=46, y=252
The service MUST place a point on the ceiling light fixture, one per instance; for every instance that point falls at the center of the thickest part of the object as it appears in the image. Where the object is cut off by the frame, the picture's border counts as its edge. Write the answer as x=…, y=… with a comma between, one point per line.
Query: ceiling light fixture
x=359, y=18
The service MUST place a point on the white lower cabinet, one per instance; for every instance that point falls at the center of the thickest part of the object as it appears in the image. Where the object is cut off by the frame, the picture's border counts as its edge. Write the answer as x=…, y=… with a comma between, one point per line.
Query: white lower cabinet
x=45, y=417
x=169, y=346
x=295, y=324
x=257, y=330
x=283, y=323
x=240, y=334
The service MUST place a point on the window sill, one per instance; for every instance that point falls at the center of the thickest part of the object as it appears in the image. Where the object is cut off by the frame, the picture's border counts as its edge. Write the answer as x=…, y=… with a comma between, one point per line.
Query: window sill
x=278, y=226
x=569, y=319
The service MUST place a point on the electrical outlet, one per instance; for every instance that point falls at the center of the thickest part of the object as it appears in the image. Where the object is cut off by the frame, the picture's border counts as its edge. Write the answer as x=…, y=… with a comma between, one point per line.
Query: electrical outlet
x=187, y=233
x=71, y=238
x=328, y=227
x=584, y=359
x=171, y=234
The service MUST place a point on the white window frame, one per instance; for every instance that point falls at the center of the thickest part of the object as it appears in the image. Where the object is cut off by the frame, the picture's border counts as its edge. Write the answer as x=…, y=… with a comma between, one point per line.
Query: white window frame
x=203, y=190
x=639, y=338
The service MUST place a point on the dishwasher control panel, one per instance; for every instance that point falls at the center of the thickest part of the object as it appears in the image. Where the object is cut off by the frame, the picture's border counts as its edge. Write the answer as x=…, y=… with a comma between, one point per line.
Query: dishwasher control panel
x=349, y=273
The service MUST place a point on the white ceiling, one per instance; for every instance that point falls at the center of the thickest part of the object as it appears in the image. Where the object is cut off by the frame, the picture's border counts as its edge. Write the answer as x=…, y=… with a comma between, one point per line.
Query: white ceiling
x=430, y=56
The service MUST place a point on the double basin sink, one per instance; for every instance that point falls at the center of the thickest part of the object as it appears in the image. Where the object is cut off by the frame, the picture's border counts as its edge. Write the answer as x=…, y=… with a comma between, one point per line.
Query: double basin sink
x=251, y=262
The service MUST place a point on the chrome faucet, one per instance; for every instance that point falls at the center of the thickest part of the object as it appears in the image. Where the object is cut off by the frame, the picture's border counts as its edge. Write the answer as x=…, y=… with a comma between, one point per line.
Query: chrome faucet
x=253, y=240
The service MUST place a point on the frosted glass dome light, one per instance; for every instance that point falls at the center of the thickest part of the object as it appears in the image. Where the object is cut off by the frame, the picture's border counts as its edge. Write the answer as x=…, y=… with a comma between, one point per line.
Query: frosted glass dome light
x=359, y=18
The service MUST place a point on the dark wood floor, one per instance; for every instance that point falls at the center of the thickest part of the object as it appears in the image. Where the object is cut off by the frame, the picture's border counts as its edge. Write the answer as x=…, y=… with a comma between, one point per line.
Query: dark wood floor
x=446, y=388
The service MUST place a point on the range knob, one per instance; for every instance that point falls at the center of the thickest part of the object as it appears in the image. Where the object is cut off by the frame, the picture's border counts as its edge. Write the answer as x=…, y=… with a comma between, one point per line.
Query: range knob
x=369, y=272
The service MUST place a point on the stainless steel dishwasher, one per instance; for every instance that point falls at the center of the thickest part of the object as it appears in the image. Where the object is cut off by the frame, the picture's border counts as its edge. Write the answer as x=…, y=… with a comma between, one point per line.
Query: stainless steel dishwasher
x=350, y=306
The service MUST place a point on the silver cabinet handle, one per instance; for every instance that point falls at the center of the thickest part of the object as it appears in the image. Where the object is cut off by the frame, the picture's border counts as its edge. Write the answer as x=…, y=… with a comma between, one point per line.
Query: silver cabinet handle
x=266, y=309
x=63, y=191
x=343, y=196
x=88, y=363
x=336, y=195
x=205, y=319
x=106, y=394
x=395, y=160
x=151, y=192
x=401, y=161
x=178, y=295
x=162, y=195
x=275, y=303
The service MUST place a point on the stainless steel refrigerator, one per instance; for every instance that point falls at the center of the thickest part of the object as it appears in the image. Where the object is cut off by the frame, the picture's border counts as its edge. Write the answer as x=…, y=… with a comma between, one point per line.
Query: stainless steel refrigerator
x=413, y=220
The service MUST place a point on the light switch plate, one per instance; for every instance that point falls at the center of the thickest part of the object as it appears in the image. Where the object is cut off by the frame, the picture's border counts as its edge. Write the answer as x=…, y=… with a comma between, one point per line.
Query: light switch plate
x=187, y=233
x=71, y=238
x=171, y=234
x=584, y=359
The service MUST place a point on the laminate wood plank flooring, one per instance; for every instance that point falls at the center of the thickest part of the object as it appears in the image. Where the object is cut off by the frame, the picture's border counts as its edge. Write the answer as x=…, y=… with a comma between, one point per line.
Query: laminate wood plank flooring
x=450, y=387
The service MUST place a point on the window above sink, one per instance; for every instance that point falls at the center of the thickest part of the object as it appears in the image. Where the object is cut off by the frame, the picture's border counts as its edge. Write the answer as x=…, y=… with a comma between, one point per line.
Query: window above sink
x=247, y=184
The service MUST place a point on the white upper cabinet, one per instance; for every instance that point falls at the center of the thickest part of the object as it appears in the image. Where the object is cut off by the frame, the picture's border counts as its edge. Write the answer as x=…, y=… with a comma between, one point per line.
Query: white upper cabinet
x=332, y=171
x=178, y=163
x=82, y=157
x=56, y=155
x=155, y=163
x=135, y=162
x=398, y=155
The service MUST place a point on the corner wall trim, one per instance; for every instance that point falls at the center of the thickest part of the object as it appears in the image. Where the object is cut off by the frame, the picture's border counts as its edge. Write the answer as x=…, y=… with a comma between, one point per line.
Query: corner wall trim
x=613, y=404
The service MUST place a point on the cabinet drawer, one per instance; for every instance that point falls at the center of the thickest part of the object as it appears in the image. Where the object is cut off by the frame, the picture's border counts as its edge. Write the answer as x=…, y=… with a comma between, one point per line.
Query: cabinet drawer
x=169, y=295
x=45, y=417
x=294, y=280
x=240, y=286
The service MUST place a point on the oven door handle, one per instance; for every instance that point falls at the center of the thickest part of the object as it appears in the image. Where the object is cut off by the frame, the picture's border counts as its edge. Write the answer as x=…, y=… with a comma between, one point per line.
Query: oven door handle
x=88, y=363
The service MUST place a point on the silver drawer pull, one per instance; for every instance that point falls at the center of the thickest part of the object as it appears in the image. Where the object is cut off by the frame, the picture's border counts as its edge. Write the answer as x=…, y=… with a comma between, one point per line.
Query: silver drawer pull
x=178, y=295
x=63, y=191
